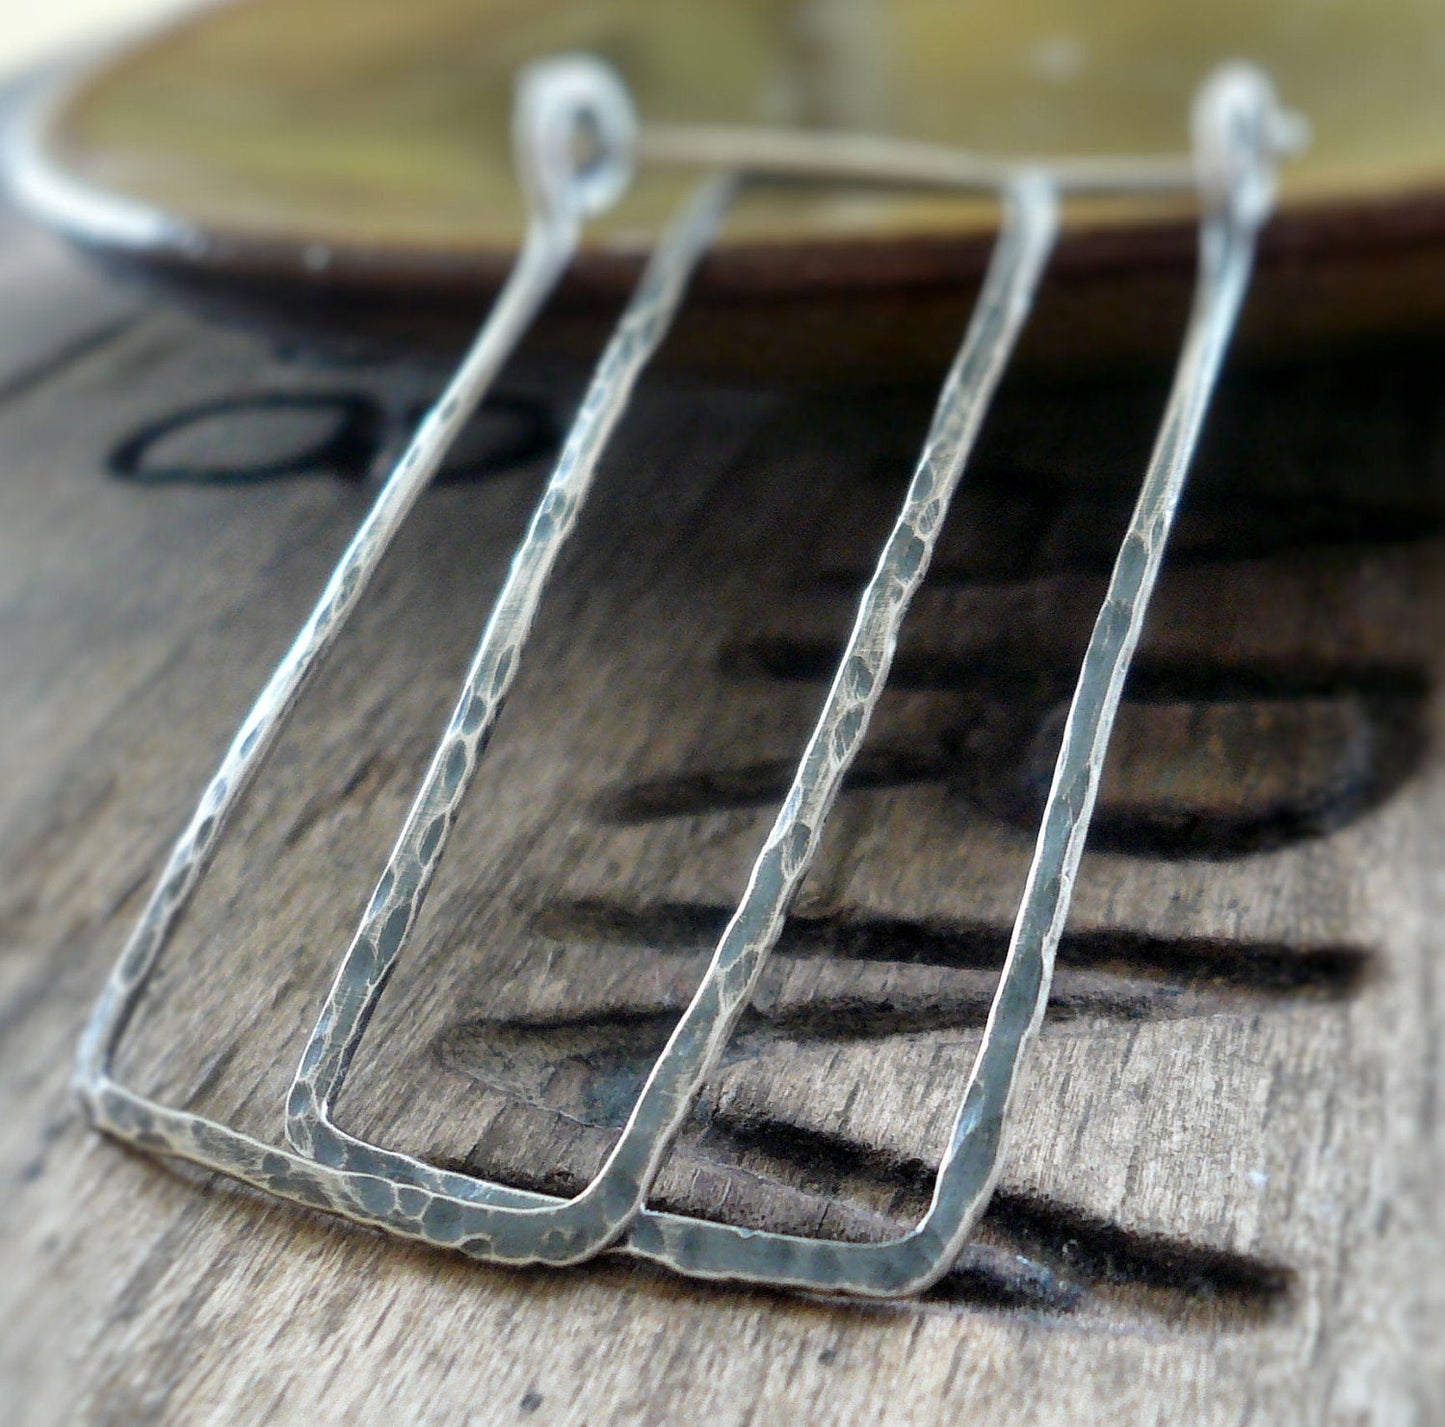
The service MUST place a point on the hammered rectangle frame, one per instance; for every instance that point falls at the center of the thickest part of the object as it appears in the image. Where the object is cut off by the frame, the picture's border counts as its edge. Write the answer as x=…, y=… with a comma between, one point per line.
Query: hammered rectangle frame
x=573, y=1230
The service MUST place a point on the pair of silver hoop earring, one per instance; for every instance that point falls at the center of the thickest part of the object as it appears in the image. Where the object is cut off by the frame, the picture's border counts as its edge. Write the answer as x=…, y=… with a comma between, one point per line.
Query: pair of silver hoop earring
x=577, y=143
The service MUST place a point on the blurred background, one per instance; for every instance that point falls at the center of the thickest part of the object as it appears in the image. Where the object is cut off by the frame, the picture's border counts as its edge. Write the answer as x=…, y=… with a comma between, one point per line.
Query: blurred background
x=31, y=34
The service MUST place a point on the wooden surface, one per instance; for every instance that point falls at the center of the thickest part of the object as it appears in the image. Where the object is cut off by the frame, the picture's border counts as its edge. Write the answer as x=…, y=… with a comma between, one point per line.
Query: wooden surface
x=1221, y=1200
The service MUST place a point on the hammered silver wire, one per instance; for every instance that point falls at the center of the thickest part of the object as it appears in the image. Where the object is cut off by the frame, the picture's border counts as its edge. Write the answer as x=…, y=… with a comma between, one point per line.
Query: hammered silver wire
x=594, y=1218
x=1238, y=131
x=575, y=90
x=564, y=1231
x=1237, y=136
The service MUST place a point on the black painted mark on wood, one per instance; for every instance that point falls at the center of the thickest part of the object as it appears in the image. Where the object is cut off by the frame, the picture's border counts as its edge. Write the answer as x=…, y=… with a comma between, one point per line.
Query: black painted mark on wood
x=262, y=436
x=507, y=431
x=1294, y=457
x=760, y=784
x=1253, y=967
x=1030, y=1252
x=274, y=435
x=1209, y=761
x=590, y=1062
x=1076, y=1246
x=1020, y=525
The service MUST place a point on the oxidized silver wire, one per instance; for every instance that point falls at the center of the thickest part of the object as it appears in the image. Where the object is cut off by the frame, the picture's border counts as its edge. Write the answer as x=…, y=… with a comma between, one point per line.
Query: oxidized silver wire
x=1234, y=145
x=567, y=1231
x=558, y=102
x=1239, y=130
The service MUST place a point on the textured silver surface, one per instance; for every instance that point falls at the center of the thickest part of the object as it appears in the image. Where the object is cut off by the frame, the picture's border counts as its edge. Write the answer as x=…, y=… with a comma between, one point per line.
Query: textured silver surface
x=568, y=1231
x=555, y=101
x=1238, y=132
x=548, y=1231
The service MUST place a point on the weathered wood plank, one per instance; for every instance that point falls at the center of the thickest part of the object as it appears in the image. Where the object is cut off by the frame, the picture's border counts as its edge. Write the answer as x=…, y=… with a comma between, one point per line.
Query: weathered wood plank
x=1220, y=1199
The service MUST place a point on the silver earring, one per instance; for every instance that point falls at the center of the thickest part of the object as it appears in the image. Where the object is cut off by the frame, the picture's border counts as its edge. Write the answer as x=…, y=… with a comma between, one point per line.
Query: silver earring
x=1239, y=132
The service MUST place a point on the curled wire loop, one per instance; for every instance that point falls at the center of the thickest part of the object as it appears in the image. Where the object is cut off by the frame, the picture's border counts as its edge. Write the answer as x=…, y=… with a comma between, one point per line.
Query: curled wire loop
x=576, y=139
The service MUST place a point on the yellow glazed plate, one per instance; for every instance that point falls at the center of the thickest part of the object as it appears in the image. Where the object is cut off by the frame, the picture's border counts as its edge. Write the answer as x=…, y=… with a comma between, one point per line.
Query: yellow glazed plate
x=343, y=164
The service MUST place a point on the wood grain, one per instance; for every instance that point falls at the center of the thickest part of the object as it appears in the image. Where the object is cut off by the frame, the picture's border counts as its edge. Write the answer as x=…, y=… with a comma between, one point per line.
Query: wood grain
x=1221, y=1198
